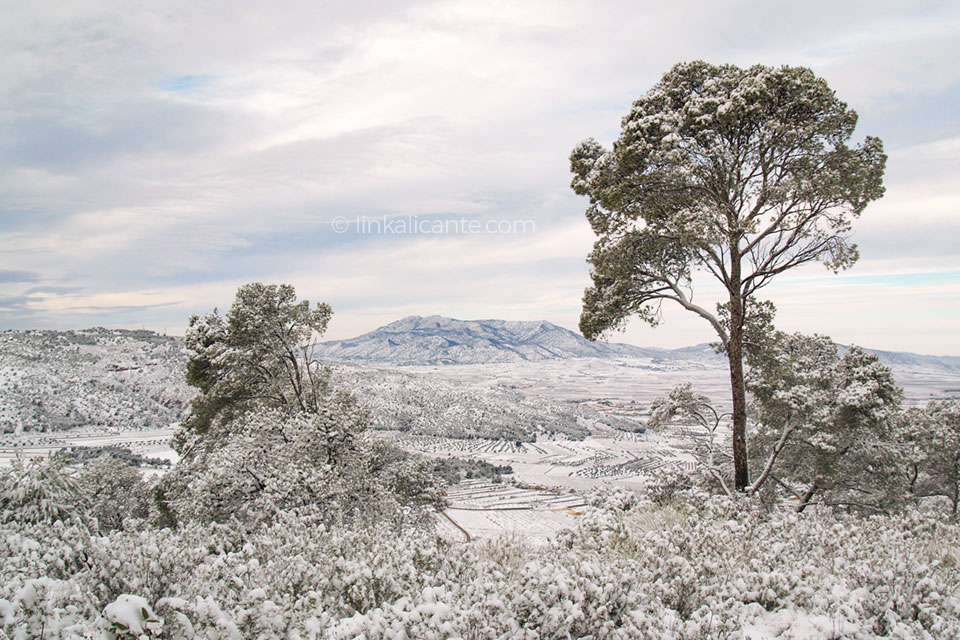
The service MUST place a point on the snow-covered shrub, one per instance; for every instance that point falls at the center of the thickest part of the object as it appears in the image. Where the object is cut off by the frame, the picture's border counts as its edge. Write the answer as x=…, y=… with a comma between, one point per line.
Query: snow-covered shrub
x=613, y=497
x=669, y=484
x=37, y=491
x=723, y=567
x=685, y=569
x=44, y=608
x=114, y=493
x=272, y=462
x=130, y=618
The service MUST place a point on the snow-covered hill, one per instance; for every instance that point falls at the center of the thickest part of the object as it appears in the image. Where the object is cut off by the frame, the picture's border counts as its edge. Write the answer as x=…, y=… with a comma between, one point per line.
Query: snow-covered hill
x=130, y=380
x=52, y=381
x=101, y=378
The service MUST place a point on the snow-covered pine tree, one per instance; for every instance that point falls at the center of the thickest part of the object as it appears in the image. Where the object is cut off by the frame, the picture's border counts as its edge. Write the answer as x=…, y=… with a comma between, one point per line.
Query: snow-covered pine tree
x=825, y=422
x=931, y=437
x=735, y=174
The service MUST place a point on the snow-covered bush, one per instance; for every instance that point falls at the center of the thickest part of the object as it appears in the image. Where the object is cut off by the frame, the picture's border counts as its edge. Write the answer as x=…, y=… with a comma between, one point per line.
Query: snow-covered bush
x=272, y=462
x=130, y=618
x=613, y=497
x=39, y=491
x=114, y=493
x=689, y=568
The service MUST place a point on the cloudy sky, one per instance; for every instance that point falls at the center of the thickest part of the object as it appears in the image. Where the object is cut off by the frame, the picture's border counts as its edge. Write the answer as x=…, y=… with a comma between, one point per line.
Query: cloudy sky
x=154, y=156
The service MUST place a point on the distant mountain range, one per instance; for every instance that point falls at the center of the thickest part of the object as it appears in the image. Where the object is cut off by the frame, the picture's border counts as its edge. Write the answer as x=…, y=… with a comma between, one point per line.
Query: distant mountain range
x=435, y=340
x=416, y=340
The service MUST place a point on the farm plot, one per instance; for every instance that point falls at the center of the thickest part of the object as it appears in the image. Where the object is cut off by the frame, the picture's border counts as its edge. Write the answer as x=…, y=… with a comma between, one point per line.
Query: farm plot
x=480, y=495
x=550, y=478
x=153, y=443
x=624, y=458
x=483, y=509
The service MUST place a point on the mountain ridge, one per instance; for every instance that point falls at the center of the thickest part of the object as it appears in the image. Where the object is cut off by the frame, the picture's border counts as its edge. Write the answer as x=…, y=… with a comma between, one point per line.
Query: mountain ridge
x=416, y=340
x=438, y=340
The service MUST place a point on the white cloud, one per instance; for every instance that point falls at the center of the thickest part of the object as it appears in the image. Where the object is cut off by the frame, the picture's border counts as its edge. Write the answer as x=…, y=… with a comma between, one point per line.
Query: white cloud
x=164, y=154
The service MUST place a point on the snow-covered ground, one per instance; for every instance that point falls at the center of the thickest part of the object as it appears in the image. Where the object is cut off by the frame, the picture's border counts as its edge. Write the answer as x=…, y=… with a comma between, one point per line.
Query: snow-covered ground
x=550, y=479
x=628, y=385
x=154, y=443
x=537, y=501
x=485, y=509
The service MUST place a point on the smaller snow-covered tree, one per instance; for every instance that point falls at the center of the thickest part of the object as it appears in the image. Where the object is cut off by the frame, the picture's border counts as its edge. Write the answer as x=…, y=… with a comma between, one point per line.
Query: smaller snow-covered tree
x=824, y=422
x=701, y=423
x=931, y=435
x=268, y=432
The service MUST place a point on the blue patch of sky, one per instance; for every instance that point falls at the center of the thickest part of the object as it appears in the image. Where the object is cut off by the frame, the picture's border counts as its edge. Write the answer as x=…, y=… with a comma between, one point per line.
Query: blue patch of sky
x=18, y=217
x=189, y=83
x=916, y=119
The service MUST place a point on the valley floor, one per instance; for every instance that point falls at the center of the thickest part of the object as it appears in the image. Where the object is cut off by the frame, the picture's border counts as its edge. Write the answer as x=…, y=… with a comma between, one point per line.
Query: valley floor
x=551, y=476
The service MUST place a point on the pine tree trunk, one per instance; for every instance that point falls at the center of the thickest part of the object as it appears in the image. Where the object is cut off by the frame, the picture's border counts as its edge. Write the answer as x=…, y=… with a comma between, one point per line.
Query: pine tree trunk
x=741, y=476
x=735, y=357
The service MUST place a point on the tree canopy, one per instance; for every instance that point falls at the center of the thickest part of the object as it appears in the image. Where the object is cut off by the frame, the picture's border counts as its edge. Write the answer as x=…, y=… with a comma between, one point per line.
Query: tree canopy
x=931, y=437
x=735, y=174
x=258, y=354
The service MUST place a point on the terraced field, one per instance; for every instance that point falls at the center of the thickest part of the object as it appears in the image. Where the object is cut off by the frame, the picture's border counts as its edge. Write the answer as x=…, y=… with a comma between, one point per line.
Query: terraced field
x=152, y=443
x=622, y=458
x=484, y=509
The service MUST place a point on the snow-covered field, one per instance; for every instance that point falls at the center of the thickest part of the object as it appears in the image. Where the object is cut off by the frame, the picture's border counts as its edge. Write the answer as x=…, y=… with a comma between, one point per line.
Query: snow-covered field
x=154, y=443
x=627, y=386
x=485, y=509
x=551, y=478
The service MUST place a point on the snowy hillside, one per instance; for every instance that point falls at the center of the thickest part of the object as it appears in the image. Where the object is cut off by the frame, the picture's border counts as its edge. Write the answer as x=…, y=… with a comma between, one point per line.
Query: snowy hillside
x=134, y=380
x=115, y=379
x=130, y=380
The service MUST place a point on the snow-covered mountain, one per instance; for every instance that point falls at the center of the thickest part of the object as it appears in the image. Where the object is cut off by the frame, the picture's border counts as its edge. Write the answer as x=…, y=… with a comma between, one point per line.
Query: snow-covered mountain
x=417, y=340
x=434, y=340
x=905, y=359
